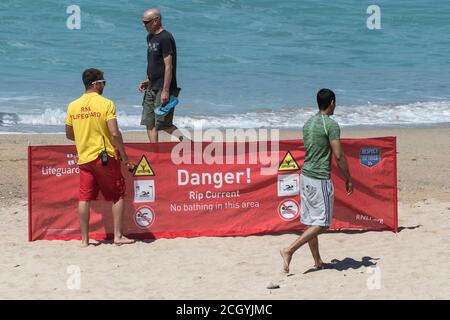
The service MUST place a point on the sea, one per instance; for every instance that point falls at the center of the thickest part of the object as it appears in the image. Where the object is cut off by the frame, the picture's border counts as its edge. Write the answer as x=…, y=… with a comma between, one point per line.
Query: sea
x=241, y=63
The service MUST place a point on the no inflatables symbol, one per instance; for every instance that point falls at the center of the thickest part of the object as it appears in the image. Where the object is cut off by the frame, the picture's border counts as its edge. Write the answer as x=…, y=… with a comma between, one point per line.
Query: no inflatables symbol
x=289, y=210
x=144, y=217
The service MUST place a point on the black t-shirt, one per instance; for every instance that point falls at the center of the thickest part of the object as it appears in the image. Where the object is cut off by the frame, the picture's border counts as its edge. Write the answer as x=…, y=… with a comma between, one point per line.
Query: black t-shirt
x=160, y=46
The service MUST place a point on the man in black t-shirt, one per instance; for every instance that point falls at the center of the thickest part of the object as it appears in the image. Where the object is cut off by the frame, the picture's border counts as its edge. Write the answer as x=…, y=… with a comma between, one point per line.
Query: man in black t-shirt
x=161, y=81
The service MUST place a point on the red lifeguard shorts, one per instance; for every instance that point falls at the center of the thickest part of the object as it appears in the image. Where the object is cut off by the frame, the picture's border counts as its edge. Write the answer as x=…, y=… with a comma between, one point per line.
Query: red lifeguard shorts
x=95, y=177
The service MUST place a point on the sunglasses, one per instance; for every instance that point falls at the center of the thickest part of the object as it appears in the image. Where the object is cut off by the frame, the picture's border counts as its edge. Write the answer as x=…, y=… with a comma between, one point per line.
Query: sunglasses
x=100, y=81
x=146, y=22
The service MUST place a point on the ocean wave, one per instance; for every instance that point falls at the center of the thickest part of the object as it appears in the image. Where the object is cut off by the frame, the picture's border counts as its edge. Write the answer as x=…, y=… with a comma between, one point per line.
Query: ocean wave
x=98, y=21
x=8, y=118
x=49, y=117
x=20, y=44
x=355, y=115
x=19, y=98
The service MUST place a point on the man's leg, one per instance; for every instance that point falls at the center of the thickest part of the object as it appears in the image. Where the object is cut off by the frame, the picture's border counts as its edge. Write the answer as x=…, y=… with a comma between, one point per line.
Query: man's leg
x=148, y=115
x=310, y=233
x=314, y=247
x=83, y=218
x=171, y=131
x=152, y=133
x=117, y=210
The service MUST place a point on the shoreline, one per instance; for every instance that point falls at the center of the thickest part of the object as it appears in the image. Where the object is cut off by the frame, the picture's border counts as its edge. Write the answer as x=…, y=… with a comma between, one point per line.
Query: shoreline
x=343, y=127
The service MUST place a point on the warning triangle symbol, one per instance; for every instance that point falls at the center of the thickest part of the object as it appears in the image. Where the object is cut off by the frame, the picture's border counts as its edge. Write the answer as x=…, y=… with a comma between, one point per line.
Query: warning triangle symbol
x=288, y=163
x=143, y=169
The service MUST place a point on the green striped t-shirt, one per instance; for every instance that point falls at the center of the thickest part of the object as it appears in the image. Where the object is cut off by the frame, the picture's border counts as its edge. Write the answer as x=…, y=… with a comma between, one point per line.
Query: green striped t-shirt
x=318, y=131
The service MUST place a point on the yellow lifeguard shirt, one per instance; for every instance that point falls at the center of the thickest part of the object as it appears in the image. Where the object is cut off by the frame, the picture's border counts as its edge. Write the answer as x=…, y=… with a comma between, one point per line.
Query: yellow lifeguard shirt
x=88, y=115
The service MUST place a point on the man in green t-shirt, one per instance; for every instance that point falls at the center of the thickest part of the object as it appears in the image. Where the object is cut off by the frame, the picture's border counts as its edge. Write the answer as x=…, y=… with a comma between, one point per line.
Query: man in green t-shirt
x=321, y=136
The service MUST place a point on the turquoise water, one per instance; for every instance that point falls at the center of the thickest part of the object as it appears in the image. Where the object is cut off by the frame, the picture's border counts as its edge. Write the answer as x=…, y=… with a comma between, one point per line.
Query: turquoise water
x=240, y=63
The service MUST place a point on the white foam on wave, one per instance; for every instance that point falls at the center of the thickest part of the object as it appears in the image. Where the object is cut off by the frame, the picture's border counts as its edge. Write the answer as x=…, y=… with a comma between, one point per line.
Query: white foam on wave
x=20, y=44
x=21, y=98
x=370, y=114
x=50, y=117
x=361, y=115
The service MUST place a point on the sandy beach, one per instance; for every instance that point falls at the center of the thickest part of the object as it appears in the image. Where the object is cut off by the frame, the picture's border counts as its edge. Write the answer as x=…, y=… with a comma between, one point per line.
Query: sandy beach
x=412, y=264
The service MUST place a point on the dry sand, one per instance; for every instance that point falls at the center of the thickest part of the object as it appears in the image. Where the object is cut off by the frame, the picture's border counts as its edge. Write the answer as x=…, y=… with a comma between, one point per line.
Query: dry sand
x=413, y=264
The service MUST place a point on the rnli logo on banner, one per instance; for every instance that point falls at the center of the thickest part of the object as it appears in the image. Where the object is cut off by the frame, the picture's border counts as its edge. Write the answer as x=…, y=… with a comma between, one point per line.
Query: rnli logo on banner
x=289, y=210
x=144, y=217
x=72, y=159
x=369, y=156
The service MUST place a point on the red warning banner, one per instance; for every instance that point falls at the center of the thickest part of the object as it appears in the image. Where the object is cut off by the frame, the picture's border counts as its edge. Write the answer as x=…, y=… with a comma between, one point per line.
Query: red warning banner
x=212, y=189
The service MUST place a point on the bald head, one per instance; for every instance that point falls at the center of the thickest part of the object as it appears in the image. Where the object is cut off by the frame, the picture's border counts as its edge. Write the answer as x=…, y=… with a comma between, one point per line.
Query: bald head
x=152, y=20
x=151, y=14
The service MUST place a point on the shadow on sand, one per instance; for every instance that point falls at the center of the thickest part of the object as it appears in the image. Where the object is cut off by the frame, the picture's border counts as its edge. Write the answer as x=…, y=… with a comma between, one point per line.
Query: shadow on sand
x=346, y=264
x=96, y=243
x=400, y=229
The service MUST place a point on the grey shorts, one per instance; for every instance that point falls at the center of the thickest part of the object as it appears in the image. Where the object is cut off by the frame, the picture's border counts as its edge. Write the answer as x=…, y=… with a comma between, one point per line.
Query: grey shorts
x=152, y=99
x=317, y=198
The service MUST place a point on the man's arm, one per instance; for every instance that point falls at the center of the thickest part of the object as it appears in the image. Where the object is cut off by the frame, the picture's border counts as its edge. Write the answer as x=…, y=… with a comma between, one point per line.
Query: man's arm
x=69, y=133
x=338, y=152
x=117, y=140
x=167, y=78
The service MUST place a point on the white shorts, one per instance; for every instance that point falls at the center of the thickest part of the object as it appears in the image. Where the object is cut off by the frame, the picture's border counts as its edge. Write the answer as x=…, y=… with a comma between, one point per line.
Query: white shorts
x=317, y=197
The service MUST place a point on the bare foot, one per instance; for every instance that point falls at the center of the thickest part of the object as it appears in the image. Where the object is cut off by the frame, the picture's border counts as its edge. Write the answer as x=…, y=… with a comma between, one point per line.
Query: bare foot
x=318, y=264
x=286, y=259
x=123, y=240
x=84, y=244
x=322, y=265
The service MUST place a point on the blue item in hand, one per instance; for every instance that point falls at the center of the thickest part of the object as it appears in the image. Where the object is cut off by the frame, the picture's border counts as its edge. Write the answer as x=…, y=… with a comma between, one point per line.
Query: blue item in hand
x=165, y=108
